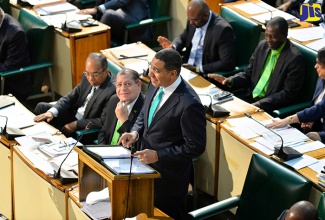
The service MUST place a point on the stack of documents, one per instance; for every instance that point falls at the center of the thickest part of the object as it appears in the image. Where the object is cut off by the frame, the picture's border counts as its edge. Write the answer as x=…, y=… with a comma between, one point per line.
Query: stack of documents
x=57, y=8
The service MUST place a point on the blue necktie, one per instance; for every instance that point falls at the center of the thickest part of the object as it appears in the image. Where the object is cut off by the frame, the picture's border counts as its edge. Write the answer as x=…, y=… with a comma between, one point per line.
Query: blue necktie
x=154, y=105
x=195, y=46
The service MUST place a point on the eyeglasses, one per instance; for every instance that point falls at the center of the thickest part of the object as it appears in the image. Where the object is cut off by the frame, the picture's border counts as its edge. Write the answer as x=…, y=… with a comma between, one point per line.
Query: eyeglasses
x=94, y=74
x=154, y=70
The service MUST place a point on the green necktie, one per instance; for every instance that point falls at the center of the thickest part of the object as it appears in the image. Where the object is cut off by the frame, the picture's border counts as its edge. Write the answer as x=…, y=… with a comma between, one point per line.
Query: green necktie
x=116, y=135
x=263, y=82
x=154, y=105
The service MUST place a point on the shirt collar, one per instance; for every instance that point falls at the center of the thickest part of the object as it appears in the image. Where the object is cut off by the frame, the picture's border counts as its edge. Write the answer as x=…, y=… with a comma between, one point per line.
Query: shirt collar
x=205, y=27
x=170, y=89
x=130, y=105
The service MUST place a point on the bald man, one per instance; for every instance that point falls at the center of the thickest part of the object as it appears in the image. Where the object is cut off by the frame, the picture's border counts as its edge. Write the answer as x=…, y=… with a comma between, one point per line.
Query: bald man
x=213, y=37
x=302, y=210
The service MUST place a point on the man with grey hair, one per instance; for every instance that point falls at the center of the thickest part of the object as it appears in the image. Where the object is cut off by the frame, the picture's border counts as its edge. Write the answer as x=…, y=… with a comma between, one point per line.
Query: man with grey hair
x=14, y=55
x=85, y=103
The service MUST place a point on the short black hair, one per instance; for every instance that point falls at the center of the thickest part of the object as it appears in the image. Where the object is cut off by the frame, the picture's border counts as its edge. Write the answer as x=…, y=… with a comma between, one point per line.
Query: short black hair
x=171, y=58
x=280, y=24
x=321, y=56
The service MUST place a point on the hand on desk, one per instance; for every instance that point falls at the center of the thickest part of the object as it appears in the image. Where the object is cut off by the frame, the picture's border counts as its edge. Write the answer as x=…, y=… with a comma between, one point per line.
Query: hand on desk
x=68, y=129
x=221, y=79
x=47, y=116
x=164, y=42
x=88, y=11
x=190, y=67
x=285, y=6
x=147, y=156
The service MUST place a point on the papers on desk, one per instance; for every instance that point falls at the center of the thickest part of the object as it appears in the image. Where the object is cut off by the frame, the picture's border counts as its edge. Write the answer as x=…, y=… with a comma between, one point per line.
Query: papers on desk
x=265, y=140
x=307, y=34
x=70, y=17
x=252, y=8
x=57, y=8
x=187, y=74
x=316, y=45
x=122, y=166
x=301, y=162
x=17, y=117
x=139, y=66
x=58, y=148
x=99, y=210
x=128, y=51
x=262, y=18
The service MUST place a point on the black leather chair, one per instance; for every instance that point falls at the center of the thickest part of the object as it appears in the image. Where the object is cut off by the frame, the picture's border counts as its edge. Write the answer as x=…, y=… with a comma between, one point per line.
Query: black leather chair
x=40, y=38
x=269, y=189
x=247, y=35
x=309, y=84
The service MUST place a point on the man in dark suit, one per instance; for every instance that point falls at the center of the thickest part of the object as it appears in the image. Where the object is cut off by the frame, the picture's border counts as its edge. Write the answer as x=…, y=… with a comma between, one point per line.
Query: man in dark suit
x=123, y=108
x=14, y=54
x=171, y=129
x=117, y=13
x=85, y=103
x=270, y=85
x=215, y=50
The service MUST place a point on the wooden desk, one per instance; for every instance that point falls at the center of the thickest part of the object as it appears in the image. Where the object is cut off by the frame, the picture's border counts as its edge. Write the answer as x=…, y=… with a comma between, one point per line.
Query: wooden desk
x=235, y=156
x=245, y=14
x=207, y=181
x=70, y=52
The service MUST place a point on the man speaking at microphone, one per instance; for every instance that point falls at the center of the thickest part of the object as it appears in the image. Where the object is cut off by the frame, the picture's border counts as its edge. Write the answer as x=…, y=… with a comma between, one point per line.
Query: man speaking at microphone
x=123, y=108
x=85, y=103
x=171, y=129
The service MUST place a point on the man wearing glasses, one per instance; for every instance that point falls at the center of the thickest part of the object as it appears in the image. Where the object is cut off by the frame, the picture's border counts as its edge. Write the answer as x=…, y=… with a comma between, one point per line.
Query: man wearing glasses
x=85, y=103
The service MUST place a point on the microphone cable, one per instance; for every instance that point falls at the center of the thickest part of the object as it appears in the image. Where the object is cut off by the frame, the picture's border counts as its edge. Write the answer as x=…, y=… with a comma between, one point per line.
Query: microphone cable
x=129, y=183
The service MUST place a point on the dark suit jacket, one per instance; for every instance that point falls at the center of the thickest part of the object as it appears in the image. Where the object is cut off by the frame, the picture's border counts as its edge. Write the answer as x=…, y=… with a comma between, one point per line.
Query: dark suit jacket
x=177, y=133
x=218, y=46
x=110, y=120
x=14, y=54
x=287, y=79
x=76, y=98
x=316, y=112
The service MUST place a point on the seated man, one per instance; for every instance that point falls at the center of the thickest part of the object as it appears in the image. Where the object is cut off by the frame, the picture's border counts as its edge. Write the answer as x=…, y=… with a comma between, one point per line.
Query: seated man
x=123, y=108
x=85, y=103
x=276, y=71
x=208, y=38
x=14, y=54
x=302, y=210
x=118, y=13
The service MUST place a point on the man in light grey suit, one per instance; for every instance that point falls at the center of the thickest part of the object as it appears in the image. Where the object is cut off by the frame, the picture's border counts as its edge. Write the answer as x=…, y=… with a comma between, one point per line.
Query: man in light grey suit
x=171, y=136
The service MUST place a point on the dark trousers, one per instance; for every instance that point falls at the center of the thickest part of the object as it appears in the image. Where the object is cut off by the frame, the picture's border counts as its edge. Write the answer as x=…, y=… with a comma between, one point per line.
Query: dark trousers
x=173, y=206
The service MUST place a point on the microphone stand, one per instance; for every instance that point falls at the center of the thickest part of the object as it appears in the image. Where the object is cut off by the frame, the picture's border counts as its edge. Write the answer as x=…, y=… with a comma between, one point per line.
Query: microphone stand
x=145, y=72
x=74, y=178
x=127, y=197
x=4, y=129
x=215, y=110
x=285, y=153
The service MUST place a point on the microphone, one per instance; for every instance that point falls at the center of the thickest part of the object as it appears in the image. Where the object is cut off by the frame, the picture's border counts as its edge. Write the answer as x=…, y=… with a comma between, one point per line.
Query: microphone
x=145, y=72
x=69, y=177
x=4, y=129
x=215, y=110
x=11, y=133
x=69, y=29
x=285, y=153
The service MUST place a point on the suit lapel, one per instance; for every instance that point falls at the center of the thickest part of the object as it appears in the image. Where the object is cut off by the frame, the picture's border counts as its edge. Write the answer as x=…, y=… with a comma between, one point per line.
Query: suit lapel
x=277, y=69
x=208, y=34
x=136, y=107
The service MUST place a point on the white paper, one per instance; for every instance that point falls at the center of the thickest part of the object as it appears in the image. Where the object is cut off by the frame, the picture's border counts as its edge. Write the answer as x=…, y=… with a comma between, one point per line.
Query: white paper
x=262, y=148
x=318, y=167
x=306, y=34
x=252, y=8
x=122, y=166
x=301, y=162
x=316, y=45
x=187, y=74
x=309, y=146
x=140, y=66
x=268, y=16
x=111, y=152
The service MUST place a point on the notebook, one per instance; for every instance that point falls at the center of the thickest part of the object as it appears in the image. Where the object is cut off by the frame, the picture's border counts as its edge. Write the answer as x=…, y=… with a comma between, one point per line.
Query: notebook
x=5, y=103
x=128, y=52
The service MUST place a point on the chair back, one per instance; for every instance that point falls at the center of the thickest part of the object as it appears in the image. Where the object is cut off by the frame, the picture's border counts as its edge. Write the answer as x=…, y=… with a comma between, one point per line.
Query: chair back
x=4, y=4
x=40, y=40
x=311, y=75
x=247, y=34
x=269, y=189
x=158, y=8
x=321, y=207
